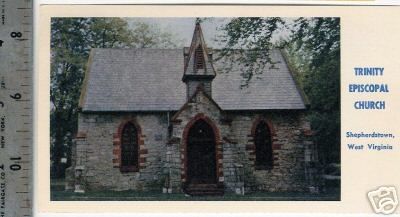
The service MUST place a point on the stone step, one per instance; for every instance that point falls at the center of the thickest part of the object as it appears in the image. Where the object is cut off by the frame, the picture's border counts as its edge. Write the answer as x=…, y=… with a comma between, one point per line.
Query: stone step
x=202, y=186
x=204, y=190
x=206, y=193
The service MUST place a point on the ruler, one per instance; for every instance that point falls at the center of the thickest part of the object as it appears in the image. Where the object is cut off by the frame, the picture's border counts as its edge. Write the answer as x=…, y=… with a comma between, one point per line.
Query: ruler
x=16, y=92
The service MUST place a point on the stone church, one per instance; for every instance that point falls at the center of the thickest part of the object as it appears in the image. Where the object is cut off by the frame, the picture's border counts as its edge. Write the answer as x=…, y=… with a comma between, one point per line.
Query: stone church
x=171, y=120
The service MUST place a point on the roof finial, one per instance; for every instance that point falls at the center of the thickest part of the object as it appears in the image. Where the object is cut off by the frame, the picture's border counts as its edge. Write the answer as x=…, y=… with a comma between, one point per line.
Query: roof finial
x=198, y=20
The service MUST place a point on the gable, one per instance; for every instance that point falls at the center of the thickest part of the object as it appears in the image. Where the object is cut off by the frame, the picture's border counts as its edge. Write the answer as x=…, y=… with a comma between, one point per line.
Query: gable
x=150, y=80
x=200, y=102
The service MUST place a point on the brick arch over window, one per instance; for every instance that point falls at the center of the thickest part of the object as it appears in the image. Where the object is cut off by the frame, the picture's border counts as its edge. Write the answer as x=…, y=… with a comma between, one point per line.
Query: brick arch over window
x=270, y=145
x=128, y=143
x=218, y=148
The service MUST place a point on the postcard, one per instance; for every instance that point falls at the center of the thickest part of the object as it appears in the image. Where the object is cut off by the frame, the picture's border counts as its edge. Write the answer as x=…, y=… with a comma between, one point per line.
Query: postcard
x=218, y=109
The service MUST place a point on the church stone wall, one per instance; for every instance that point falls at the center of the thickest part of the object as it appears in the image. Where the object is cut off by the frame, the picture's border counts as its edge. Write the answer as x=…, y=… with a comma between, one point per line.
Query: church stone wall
x=235, y=148
x=235, y=144
x=200, y=108
x=95, y=151
x=162, y=155
x=289, y=130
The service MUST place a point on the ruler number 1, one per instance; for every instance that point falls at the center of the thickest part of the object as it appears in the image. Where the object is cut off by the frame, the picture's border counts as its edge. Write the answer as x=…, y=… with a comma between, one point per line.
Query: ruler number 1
x=15, y=166
x=1, y=43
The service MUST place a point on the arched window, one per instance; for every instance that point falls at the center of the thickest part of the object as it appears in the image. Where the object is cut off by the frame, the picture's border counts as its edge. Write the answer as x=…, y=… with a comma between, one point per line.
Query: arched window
x=129, y=148
x=199, y=58
x=263, y=145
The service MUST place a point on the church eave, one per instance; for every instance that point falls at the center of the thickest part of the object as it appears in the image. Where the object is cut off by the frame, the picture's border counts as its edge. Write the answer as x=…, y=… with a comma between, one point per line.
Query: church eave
x=124, y=111
x=197, y=77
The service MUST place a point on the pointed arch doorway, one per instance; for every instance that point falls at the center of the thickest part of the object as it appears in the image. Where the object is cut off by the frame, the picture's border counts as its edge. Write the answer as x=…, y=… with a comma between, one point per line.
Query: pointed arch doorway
x=201, y=154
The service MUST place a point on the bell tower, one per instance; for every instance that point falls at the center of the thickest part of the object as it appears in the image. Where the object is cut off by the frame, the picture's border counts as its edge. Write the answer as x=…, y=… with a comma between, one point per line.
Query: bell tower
x=198, y=70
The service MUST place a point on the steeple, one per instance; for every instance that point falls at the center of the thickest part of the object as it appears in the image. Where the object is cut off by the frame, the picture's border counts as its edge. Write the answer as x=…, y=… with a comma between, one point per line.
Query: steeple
x=198, y=70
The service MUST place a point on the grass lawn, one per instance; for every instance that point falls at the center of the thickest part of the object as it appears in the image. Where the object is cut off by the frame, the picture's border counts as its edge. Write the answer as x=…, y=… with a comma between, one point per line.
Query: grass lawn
x=157, y=196
x=58, y=194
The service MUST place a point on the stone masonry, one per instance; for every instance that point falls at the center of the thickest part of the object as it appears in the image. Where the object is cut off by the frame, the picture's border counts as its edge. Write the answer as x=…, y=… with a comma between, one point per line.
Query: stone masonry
x=162, y=154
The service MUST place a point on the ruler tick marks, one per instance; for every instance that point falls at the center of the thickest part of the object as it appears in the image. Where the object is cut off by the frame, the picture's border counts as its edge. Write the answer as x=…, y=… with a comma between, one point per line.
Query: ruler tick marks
x=19, y=80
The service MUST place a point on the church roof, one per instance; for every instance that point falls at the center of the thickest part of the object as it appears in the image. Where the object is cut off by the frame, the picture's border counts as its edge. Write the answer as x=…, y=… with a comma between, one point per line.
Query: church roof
x=150, y=80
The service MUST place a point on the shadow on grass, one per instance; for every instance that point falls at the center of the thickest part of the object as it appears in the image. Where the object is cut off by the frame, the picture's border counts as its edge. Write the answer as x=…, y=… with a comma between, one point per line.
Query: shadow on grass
x=59, y=194
x=157, y=196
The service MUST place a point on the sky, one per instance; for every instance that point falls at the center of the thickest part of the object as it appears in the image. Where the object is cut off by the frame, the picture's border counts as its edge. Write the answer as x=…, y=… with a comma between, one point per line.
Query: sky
x=182, y=28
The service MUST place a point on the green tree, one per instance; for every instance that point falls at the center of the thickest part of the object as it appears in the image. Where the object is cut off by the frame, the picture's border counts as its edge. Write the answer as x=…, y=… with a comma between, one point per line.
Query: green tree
x=315, y=52
x=312, y=46
x=146, y=36
x=71, y=41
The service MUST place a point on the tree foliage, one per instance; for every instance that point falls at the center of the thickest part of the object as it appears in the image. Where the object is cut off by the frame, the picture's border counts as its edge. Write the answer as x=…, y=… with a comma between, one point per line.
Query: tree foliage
x=146, y=36
x=71, y=41
x=248, y=41
x=318, y=42
x=313, y=49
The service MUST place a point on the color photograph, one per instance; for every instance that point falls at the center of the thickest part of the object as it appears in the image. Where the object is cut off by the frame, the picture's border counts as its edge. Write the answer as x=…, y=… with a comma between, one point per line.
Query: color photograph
x=195, y=109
